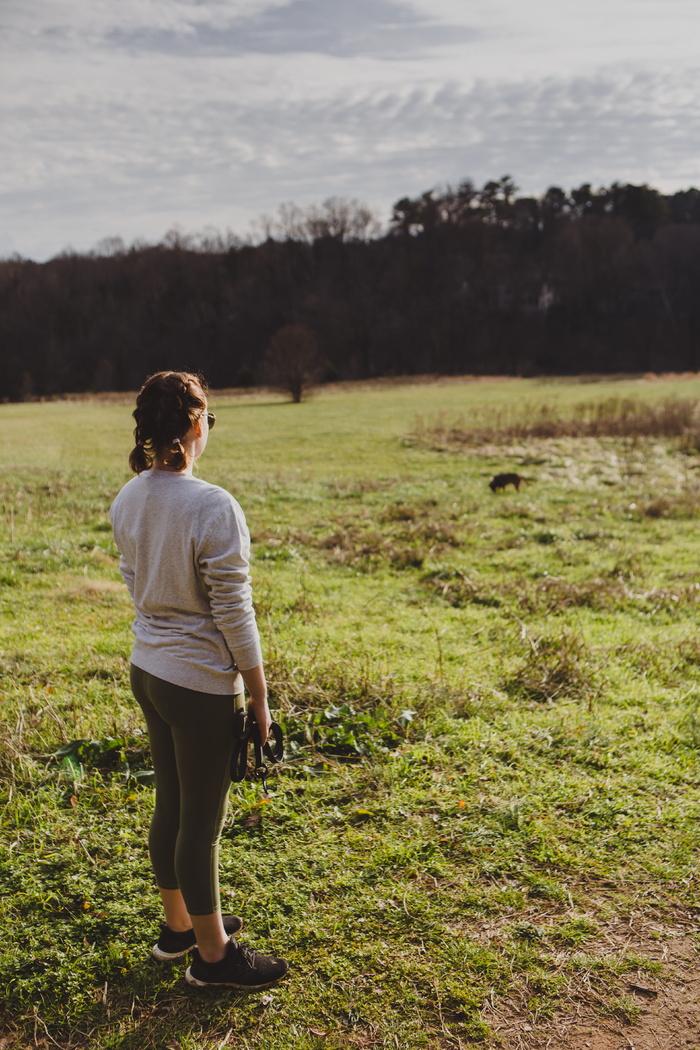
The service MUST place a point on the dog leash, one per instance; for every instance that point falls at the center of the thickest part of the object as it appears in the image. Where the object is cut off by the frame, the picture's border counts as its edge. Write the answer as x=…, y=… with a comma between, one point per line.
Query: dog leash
x=245, y=731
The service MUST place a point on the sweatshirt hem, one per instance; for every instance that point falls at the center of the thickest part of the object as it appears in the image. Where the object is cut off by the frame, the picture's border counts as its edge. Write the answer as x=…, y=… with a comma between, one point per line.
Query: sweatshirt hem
x=221, y=683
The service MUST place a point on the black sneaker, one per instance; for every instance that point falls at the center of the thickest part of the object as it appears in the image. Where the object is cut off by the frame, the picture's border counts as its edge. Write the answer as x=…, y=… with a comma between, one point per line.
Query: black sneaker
x=239, y=968
x=171, y=945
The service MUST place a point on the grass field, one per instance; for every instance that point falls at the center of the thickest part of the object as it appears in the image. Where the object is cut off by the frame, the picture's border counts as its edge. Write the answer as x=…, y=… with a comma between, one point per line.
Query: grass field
x=488, y=825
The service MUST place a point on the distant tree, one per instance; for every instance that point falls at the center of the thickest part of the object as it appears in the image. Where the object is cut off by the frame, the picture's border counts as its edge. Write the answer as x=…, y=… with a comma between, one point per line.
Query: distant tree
x=449, y=206
x=459, y=206
x=526, y=214
x=586, y=202
x=103, y=378
x=684, y=206
x=341, y=220
x=109, y=246
x=497, y=198
x=336, y=219
x=555, y=204
x=292, y=362
x=641, y=206
x=411, y=216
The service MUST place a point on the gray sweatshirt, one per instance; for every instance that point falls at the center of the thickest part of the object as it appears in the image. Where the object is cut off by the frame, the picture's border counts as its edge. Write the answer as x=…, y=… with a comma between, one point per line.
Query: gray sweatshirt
x=184, y=548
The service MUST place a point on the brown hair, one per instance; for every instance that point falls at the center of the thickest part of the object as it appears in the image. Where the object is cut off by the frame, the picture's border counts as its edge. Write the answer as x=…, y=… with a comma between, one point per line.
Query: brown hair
x=167, y=406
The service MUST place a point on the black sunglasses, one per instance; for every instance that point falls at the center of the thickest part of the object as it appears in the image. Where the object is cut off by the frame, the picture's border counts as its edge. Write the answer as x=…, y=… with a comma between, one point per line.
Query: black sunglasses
x=211, y=419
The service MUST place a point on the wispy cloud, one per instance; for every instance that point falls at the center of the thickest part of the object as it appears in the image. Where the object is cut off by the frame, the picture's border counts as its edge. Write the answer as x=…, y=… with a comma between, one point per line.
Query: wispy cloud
x=343, y=28
x=148, y=112
x=214, y=159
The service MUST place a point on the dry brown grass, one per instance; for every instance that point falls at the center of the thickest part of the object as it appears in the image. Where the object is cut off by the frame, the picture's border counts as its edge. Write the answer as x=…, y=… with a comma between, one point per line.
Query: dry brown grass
x=401, y=536
x=619, y=417
x=554, y=594
x=319, y=683
x=369, y=549
x=683, y=505
x=92, y=589
x=557, y=666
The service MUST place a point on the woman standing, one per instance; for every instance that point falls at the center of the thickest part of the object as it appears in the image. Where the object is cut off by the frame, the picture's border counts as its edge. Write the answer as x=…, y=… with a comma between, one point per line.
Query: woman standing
x=184, y=548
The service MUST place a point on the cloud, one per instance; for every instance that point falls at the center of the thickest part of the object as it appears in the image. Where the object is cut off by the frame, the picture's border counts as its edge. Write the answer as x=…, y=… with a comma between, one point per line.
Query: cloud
x=342, y=28
x=134, y=162
x=123, y=118
x=598, y=128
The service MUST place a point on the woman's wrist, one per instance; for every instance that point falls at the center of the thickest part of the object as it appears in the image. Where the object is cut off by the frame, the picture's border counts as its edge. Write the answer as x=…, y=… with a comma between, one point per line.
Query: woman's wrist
x=257, y=701
x=254, y=679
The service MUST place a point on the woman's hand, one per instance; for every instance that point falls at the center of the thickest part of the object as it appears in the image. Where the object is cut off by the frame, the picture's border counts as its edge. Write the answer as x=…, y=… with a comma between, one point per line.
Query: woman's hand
x=257, y=704
x=261, y=713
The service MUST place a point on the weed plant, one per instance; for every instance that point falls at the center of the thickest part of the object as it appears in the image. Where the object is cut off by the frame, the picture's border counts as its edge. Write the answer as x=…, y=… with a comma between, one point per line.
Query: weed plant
x=490, y=702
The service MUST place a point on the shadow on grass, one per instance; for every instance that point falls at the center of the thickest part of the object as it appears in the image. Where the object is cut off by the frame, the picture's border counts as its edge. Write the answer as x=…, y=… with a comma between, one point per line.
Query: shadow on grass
x=141, y=1014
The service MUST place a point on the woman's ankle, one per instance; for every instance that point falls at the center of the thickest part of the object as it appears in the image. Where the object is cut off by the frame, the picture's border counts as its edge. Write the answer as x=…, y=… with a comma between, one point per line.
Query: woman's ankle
x=177, y=917
x=179, y=927
x=212, y=939
x=213, y=955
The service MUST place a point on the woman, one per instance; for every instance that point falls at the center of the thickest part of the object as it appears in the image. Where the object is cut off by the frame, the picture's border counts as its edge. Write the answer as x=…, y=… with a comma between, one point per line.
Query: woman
x=184, y=548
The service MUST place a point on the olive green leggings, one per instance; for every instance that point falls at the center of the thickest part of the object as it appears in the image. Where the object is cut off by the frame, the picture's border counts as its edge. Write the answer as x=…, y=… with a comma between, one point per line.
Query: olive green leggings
x=191, y=737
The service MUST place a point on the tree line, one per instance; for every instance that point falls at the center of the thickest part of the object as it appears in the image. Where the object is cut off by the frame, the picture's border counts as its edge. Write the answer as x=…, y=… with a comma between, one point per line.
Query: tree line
x=461, y=281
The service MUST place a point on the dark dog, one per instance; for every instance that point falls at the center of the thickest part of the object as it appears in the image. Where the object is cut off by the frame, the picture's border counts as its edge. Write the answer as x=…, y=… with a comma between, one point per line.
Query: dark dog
x=499, y=483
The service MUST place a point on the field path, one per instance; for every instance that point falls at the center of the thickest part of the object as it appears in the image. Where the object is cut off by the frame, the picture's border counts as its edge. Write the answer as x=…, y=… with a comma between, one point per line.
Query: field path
x=669, y=1003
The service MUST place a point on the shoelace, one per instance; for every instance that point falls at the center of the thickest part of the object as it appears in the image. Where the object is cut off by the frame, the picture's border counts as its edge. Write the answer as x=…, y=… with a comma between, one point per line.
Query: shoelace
x=248, y=954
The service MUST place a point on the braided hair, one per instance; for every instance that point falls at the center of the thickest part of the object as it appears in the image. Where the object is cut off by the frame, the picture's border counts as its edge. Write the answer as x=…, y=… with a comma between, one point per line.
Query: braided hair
x=167, y=407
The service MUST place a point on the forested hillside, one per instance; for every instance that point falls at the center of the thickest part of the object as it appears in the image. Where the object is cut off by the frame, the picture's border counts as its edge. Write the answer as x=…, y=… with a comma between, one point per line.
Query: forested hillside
x=462, y=281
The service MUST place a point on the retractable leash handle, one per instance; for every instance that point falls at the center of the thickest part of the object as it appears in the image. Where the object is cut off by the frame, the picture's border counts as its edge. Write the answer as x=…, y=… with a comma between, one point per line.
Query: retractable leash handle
x=246, y=730
x=239, y=756
x=273, y=751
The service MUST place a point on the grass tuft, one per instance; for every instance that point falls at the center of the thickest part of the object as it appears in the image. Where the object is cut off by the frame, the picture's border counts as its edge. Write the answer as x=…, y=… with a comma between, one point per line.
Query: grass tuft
x=556, y=667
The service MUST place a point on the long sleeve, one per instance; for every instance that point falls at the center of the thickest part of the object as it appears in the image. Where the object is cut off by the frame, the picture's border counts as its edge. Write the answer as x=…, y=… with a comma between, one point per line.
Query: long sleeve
x=127, y=575
x=223, y=561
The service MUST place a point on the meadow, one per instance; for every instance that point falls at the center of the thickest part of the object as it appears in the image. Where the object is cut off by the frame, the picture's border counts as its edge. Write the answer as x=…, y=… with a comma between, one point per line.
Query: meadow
x=486, y=833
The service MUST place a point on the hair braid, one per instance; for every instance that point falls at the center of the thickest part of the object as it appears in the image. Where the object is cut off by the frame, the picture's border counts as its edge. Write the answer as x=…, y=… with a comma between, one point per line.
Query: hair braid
x=167, y=407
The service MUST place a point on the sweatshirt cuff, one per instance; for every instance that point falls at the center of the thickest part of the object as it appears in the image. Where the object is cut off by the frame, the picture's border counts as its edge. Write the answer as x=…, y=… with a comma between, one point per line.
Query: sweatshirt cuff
x=248, y=658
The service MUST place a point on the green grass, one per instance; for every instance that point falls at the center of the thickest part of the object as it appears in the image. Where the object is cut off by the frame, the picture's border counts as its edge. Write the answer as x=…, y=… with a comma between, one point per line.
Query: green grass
x=492, y=705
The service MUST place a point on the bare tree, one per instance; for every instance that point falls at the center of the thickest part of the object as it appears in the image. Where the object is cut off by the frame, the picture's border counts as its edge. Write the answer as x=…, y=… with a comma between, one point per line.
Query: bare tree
x=292, y=362
x=336, y=219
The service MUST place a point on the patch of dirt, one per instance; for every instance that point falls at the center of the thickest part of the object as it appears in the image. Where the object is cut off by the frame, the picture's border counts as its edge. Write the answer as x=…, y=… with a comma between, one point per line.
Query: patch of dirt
x=665, y=1006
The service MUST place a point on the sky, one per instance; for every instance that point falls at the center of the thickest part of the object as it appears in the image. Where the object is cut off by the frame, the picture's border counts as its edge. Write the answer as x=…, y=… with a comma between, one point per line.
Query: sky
x=128, y=118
